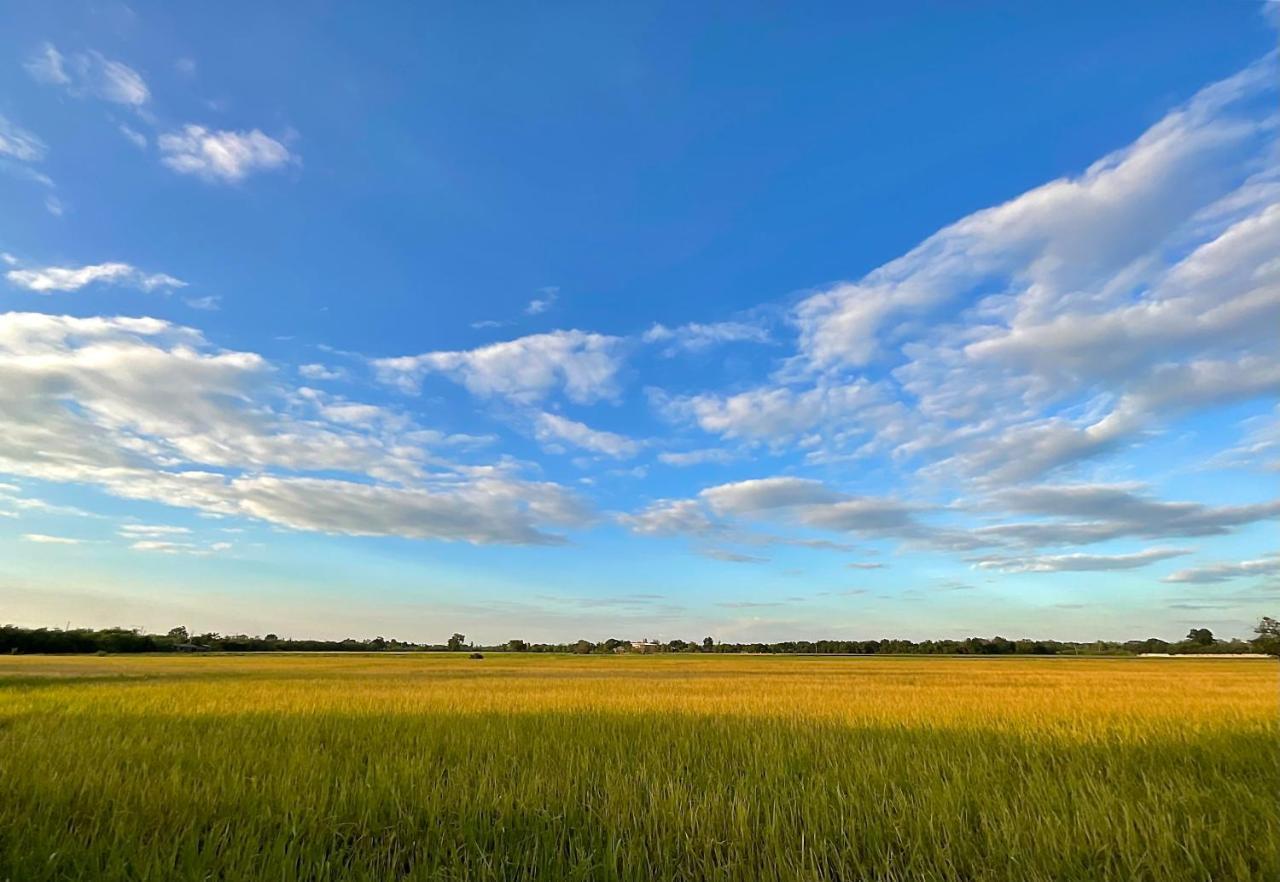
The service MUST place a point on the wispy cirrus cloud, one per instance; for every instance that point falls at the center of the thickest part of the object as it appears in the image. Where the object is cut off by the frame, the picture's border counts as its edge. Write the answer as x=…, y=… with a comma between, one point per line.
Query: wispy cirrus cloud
x=730, y=556
x=1226, y=571
x=21, y=151
x=46, y=539
x=166, y=546
x=20, y=144
x=546, y=299
x=1075, y=563
x=88, y=73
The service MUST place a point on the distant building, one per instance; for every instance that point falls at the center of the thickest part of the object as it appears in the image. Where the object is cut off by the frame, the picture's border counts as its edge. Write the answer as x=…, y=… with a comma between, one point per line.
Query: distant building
x=190, y=647
x=644, y=646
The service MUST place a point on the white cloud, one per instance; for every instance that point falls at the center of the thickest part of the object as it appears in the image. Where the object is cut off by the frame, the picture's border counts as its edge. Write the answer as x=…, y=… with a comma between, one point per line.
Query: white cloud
x=539, y=305
x=1258, y=448
x=207, y=303
x=19, y=144
x=46, y=66
x=779, y=414
x=670, y=517
x=1064, y=324
x=480, y=512
x=1087, y=513
x=813, y=504
x=685, y=458
x=1064, y=239
x=550, y=428
x=1223, y=572
x=763, y=494
x=45, y=539
x=1079, y=562
x=730, y=556
x=136, y=138
x=220, y=155
x=697, y=337
x=54, y=278
x=321, y=372
x=165, y=546
x=14, y=504
x=89, y=73
x=1066, y=515
x=151, y=530
x=524, y=370
x=147, y=410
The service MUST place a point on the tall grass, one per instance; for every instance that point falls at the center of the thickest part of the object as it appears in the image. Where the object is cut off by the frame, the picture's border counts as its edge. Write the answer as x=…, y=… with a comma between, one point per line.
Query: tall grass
x=729, y=768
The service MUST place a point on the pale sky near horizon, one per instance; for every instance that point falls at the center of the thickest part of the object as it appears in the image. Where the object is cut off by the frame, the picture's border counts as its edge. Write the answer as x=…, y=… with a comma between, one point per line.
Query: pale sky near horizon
x=760, y=322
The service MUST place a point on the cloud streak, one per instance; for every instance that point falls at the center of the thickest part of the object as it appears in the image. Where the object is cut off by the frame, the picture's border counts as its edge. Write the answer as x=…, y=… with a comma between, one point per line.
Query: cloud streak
x=51, y=279
x=1225, y=572
x=90, y=74
x=1075, y=563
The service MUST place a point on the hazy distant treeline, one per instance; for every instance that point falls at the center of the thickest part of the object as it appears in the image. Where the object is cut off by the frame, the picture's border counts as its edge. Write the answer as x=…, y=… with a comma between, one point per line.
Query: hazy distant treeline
x=17, y=640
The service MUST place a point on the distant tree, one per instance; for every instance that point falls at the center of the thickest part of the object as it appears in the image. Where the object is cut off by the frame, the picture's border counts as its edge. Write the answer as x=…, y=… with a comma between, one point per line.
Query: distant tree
x=1268, y=639
x=1200, y=637
x=708, y=644
x=456, y=642
x=517, y=646
x=271, y=638
x=179, y=634
x=583, y=647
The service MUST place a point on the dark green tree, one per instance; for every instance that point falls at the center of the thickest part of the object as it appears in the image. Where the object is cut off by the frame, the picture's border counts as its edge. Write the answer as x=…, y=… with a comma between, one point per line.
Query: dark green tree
x=1200, y=636
x=583, y=647
x=1268, y=639
x=707, y=644
x=517, y=646
x=179, y=634
x=456, y=642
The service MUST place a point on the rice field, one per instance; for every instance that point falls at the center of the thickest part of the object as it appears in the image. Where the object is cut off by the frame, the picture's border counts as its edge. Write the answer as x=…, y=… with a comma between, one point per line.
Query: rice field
x=438, y=767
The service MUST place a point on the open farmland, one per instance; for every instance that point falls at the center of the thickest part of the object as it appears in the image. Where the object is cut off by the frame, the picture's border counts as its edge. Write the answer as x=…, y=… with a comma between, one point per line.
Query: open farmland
x=669, y=767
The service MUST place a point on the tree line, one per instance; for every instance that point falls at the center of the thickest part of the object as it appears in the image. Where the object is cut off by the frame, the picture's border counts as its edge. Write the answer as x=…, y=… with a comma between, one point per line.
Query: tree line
x=18, y=640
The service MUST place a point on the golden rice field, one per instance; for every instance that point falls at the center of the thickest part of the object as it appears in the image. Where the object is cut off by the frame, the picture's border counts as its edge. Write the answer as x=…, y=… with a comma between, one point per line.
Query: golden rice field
x=638, y=768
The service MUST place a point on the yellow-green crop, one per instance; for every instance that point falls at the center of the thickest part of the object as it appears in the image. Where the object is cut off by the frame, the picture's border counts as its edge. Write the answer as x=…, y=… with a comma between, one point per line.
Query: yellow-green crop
x=640, y=768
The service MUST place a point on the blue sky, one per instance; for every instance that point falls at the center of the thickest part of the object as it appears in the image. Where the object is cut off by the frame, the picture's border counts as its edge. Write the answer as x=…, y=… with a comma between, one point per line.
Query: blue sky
x=745, y=321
